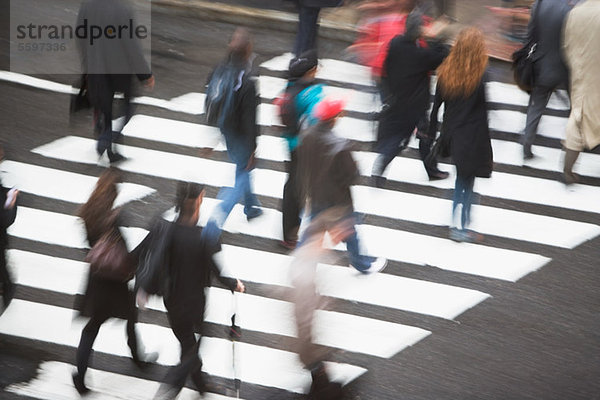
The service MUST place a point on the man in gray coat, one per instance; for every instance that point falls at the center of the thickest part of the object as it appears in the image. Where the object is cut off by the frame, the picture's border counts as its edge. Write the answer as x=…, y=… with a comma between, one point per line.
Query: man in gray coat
x=550, y=72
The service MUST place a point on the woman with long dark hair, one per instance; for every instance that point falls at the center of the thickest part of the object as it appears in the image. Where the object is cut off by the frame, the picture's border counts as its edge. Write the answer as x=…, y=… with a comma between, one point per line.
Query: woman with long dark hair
x=465, y=131
x=104, y=297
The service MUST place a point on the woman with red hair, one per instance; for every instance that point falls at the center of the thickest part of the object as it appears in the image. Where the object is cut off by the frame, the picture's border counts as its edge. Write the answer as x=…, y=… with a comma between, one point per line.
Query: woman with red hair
x=465, y=133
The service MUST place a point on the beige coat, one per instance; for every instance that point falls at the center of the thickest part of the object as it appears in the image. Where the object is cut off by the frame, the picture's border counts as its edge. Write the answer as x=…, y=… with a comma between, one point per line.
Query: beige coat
x=582, y=53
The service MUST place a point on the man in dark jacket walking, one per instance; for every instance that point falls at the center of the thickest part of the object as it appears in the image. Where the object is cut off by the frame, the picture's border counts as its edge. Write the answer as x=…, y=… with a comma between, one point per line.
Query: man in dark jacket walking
x=550, y=71
x=8, y=213
x=240, y=131
x=110, y=63
x=303, y=94
x=407, y=67
x=326, y=171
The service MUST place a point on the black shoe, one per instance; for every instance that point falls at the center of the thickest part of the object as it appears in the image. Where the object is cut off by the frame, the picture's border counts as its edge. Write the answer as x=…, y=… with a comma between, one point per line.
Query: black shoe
x=116, y=157
x=254, y=212
x=438, y=175
x=79, y=384
x=527, y=154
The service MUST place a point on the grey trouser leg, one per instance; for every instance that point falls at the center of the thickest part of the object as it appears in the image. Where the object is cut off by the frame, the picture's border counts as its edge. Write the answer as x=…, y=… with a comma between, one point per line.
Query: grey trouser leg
x=537, y=104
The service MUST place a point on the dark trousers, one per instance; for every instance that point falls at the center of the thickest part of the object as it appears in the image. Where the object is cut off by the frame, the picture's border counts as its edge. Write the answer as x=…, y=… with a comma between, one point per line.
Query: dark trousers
x=306, y=37
x=190, y=362
x=90, y=331
x=8, y=286
x=538, y=100
x=463, y=194
x=106, y=135
x=291, y=203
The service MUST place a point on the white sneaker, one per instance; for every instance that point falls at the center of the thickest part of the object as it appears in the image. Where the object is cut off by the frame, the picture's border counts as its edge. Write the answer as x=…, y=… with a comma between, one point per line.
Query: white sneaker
x=377, y=266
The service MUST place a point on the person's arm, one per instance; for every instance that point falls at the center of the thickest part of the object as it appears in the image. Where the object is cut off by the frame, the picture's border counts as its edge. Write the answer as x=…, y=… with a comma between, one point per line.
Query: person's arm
x=230, y=283
x=249, y=104
x=532, y=22
x=434, y=54
x=433, y=118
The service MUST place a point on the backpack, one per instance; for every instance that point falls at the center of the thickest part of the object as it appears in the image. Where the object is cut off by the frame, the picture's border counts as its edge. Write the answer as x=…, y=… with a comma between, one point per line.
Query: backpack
x=287, y=108
x=220, y=94
x=152, y=274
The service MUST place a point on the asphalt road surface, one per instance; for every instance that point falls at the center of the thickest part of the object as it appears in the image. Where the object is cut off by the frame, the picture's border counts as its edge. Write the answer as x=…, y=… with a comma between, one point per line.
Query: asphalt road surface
x=534, y=337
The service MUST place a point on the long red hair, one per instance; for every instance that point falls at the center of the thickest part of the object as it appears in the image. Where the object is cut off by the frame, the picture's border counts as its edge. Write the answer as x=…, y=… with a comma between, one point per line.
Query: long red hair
x=461, y=72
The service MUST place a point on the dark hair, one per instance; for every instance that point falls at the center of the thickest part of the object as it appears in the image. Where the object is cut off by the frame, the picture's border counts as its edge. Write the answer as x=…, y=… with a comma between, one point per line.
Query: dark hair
x=96, y=212
x=239, y=45
x=414, y=25
x=187, y=193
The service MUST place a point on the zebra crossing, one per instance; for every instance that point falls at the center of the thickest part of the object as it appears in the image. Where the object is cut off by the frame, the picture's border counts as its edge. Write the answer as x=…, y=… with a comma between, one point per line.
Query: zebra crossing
x=266, y=363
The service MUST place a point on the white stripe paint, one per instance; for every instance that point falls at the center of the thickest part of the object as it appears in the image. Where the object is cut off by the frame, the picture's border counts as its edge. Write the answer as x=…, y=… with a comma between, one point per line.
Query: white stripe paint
x=191, y=103
x=514, y=122
x=53, y=381
x=501, y=185
x=256, y=364
x=506, y=223
x=41, y=225
x=342, y=282
x=505, y=93
x=60, y=229
x=403, y=246
x=329, y=69
x=333, y=329
x=63, y=185
x=274, y=148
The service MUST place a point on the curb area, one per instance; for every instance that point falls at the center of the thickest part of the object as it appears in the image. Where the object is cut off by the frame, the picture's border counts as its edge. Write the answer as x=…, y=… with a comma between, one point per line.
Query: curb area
x=254, y=17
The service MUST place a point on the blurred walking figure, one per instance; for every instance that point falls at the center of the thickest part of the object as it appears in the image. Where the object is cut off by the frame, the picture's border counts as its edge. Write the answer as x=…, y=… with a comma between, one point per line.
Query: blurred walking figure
x=307, y=300
x=326, y=171
x=189, y=271
x=236, y=119
x=308, y=23
x=582, y=52
x=110, y=64
x=407, y=68
x=8, y=213
x=111, y=267
x=465, y=132
x=296, y=107
x=550, y=71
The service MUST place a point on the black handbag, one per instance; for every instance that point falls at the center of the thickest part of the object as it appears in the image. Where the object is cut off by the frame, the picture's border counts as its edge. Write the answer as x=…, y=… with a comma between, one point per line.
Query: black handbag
x=440, y=149
x=80, y=100
x=524, y=59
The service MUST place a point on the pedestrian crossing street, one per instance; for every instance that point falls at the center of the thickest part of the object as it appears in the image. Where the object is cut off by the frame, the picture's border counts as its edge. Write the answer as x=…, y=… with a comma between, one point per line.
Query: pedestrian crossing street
x=519, y=213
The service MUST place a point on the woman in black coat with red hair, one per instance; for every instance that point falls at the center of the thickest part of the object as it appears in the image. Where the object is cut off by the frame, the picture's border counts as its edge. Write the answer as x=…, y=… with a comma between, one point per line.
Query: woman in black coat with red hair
x=465, y=132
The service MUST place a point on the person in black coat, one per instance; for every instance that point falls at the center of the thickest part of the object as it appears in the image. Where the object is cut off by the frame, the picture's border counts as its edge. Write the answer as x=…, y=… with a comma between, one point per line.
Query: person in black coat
x=549, y=68
x=191, y=267
x=8, y=213
x=407, y=67
x=465, y=133
x=104, y=298
x=110, y=64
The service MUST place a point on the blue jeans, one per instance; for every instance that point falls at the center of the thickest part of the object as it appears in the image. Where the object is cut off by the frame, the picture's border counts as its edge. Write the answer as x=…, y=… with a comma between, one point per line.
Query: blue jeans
x=359, y=261
x=242, y=190
x=463, y=194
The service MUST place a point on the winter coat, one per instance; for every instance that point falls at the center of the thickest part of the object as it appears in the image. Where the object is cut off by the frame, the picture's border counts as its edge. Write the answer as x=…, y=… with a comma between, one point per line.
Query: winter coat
x=321, y=3
x=545, y=27
x=191, y=269
x=582, y=52
x=110, y=64
x=407, y=67
x=465, y=131
x=105, y=297
x=240, y=128
x=326, y=169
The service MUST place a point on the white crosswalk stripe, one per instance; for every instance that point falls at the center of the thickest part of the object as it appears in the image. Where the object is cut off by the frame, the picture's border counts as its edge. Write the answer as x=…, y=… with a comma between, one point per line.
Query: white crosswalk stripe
x=364, y=337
